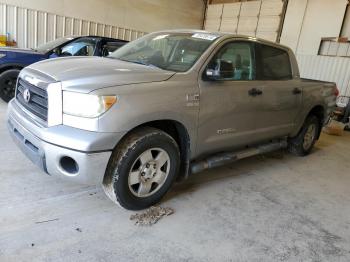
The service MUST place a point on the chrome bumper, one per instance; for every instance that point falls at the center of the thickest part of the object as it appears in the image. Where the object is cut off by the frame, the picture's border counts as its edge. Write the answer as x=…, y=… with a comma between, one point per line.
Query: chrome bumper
x=91, y=165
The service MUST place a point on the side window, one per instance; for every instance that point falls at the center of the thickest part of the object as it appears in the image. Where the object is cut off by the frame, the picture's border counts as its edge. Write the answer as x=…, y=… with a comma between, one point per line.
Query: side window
x=109, y=47
x=80, y=47
x=274, y=64
x=234, y=61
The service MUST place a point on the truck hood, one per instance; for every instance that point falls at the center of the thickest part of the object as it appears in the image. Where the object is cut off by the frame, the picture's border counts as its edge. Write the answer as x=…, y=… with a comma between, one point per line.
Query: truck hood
x=86, y=74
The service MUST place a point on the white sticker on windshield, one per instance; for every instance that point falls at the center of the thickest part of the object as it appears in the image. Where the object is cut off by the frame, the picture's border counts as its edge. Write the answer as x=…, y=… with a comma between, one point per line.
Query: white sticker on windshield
x=205, y=36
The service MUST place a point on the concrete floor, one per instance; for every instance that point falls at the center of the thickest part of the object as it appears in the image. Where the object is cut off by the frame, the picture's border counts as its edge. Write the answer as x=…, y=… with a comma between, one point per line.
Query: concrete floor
x=267, y=208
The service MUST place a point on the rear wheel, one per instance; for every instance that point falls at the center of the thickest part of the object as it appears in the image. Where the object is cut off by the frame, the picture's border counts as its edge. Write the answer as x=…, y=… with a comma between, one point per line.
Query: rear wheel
x=142, y=169
x=303, y=143
x=8, y=80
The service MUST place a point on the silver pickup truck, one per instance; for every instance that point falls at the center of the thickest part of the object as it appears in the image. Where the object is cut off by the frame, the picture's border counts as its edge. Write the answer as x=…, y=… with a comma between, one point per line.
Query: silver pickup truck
x=162, y=107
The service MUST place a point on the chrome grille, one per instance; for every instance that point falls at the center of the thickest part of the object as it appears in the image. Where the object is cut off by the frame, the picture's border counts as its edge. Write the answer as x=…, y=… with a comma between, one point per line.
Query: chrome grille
x=37, y=104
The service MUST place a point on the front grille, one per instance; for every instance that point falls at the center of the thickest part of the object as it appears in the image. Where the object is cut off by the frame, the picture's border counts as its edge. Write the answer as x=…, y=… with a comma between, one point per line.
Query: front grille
x=38, y=101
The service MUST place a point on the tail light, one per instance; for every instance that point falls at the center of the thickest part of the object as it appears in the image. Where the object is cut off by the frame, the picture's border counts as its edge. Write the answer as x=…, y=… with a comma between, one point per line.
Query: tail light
x=336, y=91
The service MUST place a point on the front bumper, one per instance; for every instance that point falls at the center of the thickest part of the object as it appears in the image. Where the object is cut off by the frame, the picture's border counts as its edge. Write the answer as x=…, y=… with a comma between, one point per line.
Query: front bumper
x=48, y=155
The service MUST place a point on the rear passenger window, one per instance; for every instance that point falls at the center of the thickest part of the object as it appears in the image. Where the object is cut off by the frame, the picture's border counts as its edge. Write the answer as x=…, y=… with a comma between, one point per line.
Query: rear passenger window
x=274, y=64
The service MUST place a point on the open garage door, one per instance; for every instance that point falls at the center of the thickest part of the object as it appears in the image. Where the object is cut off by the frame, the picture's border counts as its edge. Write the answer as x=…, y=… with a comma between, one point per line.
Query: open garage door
x=254, y=18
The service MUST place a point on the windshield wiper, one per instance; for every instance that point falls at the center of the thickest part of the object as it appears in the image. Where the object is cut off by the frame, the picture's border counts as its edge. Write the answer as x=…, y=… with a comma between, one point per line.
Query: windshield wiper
x=140, y=63
x=143, y=63
x=136, y=62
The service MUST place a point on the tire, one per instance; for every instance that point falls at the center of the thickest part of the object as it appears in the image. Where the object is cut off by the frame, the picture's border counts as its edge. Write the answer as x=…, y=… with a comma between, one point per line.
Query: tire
x=8, y=80
x=136, y=177
x=302, y=144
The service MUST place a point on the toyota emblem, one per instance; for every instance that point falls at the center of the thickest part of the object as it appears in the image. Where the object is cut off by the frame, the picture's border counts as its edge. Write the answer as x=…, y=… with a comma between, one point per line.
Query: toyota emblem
x=26, y=95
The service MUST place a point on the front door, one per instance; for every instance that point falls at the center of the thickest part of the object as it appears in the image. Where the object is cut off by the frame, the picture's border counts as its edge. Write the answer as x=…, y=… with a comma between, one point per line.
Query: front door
x=227, y=105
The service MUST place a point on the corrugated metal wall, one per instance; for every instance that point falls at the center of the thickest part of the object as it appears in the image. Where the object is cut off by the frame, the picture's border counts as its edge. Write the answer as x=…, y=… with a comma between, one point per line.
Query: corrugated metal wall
x=326, y=68
x=30, y=28
x=254, y=18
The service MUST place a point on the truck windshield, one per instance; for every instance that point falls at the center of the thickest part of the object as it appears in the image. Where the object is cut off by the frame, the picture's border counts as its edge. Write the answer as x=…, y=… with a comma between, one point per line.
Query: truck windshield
x=52, y=44
x=169, y=51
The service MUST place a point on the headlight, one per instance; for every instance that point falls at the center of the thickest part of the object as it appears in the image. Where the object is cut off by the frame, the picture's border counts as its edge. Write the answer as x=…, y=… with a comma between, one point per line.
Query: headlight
x=86, y=105
x=2, y=55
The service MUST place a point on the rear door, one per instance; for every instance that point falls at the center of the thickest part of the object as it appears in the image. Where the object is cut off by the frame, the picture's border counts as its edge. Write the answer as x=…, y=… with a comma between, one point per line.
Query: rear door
x=281, y=98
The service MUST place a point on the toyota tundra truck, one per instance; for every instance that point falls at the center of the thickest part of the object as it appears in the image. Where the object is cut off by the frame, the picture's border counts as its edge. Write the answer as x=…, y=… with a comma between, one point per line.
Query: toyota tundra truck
x=162, y=107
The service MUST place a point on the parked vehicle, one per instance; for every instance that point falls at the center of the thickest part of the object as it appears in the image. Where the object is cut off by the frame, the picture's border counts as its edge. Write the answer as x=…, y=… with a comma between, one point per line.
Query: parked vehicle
x=12, y=60
x=342, y=111
x=162, y=107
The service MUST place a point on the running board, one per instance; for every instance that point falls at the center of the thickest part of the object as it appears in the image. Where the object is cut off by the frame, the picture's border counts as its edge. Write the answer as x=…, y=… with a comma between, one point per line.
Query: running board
x=229, y=157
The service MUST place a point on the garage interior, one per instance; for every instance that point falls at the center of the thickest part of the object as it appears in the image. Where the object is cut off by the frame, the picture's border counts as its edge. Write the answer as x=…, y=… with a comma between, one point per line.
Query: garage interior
x=271, y=207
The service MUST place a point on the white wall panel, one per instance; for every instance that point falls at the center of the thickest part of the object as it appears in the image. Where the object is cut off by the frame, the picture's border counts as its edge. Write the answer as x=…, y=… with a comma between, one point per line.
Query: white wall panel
x=254, y=18
x=231, y=10
x=251, y=8
x=247, y=24
x=268, y=23
x=323, y=18
x=229, y=25
x=269, y=19
x=30, y=28
x=248, y=18
x=212, y=24
x=271, y=7
x=133, y=14
x=293, y=23
x=326, y=68
x=213, y=17
x=230, y=17
x=85, y=28
x=271, y=36
x=214, y=11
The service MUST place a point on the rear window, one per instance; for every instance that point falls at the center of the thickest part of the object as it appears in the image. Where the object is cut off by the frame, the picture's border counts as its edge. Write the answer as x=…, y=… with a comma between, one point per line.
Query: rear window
x=274, y=64
x=110, y=47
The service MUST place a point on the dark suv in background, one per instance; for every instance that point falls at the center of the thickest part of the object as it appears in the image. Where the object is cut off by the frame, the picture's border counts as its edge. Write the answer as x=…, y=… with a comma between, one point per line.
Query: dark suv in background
x=12, y=60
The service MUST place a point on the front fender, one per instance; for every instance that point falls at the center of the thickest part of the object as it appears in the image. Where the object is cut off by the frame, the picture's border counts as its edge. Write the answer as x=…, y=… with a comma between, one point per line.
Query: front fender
x=140, y=104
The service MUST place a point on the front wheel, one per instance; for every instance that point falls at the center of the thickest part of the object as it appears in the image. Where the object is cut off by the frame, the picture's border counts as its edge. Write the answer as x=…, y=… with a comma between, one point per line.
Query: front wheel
x=303, y=143
x=8, y=80
x=142, y=169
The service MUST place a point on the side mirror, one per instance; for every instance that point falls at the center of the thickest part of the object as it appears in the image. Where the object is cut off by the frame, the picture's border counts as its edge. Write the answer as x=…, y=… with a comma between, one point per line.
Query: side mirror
x=224, y=69
x=212, y=74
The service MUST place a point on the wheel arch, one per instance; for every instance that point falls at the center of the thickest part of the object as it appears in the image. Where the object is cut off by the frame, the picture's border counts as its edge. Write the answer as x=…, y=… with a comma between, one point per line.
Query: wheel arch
x=10, y=67
x=176, y=130
x=316, y=110
x=319, y=112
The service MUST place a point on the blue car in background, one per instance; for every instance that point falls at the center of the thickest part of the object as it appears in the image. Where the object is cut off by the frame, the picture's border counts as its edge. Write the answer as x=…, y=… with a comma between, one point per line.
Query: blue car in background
x=12, y=60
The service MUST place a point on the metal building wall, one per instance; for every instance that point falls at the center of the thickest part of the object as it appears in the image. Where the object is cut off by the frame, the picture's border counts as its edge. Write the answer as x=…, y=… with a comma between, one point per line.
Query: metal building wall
x=306, y=23
x=30, y=28
x=327, y=68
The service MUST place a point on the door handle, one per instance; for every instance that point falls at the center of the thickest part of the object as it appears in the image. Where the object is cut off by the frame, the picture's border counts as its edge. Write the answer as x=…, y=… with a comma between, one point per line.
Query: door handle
x=255, y=92
x=296, y=91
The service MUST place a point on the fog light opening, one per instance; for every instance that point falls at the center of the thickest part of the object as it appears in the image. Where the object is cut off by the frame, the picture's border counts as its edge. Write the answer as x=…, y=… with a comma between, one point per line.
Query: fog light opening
x=69, y=165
